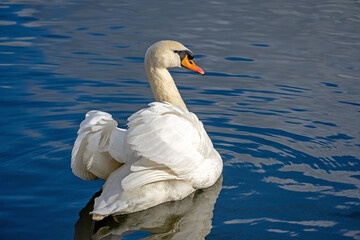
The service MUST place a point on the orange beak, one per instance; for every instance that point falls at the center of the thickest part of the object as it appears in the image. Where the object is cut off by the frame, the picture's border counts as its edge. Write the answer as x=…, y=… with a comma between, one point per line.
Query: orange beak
x=189, y=64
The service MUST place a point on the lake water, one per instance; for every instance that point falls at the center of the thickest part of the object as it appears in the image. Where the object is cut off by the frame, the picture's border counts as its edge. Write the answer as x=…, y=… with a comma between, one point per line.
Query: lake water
x=280, y=100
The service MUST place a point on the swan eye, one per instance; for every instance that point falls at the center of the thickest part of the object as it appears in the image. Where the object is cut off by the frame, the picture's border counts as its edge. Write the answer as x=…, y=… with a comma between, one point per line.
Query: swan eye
x=189, y=54
x=181, y=54
x=184, y=53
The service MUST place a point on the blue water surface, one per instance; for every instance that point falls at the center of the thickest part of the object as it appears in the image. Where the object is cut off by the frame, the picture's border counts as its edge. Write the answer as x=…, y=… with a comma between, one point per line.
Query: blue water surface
x=280, y=101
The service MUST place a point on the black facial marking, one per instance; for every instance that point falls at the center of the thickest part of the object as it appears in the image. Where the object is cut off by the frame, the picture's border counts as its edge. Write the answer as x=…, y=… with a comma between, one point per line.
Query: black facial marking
x=190, y=54
x=184, y=53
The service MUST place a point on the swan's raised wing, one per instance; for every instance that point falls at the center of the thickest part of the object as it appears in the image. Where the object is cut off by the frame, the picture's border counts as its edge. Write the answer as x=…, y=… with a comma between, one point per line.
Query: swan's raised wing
x=171, y=156
x=171, y=136
x=99, y=147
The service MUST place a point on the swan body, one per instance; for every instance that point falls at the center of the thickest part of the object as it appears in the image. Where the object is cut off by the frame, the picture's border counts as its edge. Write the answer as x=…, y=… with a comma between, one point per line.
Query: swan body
x=189, y=218
x=164, y=155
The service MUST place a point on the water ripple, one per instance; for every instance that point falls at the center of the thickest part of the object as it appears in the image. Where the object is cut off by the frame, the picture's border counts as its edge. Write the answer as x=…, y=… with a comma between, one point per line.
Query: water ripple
x=280, y=100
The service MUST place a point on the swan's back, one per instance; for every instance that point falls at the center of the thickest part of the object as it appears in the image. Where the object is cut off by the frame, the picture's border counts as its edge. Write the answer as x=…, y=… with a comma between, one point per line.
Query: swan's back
x=172, y=136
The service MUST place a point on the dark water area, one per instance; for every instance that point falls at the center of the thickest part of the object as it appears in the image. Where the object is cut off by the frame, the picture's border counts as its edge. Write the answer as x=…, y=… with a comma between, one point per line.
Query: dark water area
x=280, y=100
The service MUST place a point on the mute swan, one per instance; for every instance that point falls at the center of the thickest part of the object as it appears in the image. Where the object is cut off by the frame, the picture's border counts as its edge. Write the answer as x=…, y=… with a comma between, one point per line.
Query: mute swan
x=164, y=155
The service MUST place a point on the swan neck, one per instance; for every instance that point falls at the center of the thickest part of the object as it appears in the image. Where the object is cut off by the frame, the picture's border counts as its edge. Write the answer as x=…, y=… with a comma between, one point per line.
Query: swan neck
x=163, y=86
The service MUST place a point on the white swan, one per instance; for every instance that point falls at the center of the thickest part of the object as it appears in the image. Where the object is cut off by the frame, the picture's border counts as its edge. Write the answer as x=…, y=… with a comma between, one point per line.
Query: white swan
x=164, y=155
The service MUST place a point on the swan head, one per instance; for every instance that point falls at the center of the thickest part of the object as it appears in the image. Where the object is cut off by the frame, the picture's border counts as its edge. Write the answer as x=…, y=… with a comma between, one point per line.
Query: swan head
x=168, y=54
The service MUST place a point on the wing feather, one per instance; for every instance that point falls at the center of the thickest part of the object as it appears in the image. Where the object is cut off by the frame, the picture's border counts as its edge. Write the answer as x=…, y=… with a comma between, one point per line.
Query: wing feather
x=99, y=148
x=168, y=135
x=141, y=178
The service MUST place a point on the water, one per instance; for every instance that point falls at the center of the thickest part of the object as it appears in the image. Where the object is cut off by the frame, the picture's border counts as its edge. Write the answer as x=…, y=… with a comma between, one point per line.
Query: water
x=280, y=101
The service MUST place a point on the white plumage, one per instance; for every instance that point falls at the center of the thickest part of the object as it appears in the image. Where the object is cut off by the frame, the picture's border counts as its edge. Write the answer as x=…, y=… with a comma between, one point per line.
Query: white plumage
x=164, y=155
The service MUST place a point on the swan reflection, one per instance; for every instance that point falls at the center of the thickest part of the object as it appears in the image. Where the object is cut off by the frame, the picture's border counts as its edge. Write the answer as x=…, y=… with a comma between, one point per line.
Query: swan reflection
x=189, y=218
